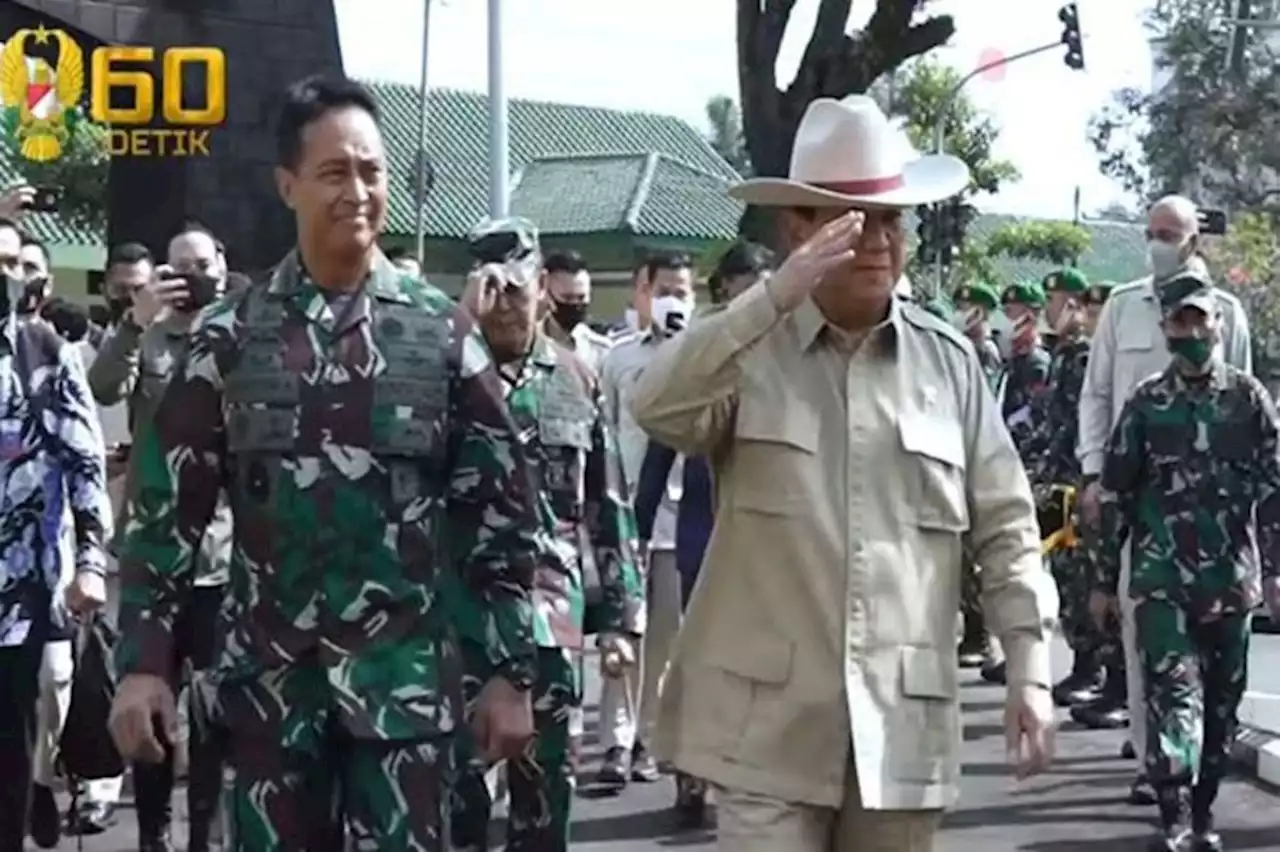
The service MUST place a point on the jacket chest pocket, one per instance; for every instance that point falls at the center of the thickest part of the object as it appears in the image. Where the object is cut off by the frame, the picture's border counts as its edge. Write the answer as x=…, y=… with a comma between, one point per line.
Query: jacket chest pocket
x=565, y=445
x=775, y=456
x=935, y=470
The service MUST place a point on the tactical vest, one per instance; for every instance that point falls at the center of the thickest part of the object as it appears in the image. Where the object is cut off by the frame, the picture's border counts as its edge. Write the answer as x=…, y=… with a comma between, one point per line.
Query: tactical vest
x=566, y=415
x=263, y=397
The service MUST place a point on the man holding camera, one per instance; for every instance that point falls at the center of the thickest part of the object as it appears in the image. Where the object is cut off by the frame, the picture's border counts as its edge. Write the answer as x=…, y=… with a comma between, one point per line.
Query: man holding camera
x=135, y=364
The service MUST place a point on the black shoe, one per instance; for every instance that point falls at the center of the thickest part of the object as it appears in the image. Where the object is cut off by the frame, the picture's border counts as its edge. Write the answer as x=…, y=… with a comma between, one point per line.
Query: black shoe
x=45, y=823
x=1141, y=792
x=691, y=802
x=616, y=768
x=1127, y=750
x=156, y=842
x=994, y=671
x=1079, y=687
x=972, y=652
x=643, y=767
x=92, y=818
x=1107, y=713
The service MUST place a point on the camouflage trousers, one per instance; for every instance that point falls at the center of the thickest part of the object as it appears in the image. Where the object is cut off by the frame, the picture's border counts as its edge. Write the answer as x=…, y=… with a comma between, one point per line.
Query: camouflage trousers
x=1073, y=575
x=1196, y=675
x=384, y=795
x=541, y=783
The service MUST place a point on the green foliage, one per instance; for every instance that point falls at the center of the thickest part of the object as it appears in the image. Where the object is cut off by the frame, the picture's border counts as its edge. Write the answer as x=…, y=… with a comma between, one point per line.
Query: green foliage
x=725, y=119
x=922, y=89
x=1056, y=242
x=80, y=173
x=1246, y=261
x=1213, y=131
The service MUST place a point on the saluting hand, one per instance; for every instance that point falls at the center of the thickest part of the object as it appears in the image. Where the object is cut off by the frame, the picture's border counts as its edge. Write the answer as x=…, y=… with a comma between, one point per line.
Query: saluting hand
x=482, y=288
x=803, y=270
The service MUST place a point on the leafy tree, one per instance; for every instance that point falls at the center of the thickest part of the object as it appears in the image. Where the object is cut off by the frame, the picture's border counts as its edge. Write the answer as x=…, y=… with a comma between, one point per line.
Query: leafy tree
x=835, y=63
x=726, y=133
x=80, y=175
x=1247, y=261
x=1059, y=243
x=1213, y=131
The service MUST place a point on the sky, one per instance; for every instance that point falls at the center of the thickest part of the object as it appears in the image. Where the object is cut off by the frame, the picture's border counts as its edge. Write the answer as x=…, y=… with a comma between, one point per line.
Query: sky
x=671, y=56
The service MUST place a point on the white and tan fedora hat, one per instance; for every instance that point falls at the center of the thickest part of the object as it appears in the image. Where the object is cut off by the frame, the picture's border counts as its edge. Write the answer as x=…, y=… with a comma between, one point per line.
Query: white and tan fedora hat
x=848, y=154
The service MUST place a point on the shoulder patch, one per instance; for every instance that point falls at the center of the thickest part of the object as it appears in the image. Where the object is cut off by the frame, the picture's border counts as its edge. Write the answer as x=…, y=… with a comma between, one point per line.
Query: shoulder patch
x=925, y=321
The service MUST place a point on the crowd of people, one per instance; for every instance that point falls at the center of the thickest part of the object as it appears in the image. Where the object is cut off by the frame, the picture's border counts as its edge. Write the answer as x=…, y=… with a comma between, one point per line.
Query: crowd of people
x=356, y=538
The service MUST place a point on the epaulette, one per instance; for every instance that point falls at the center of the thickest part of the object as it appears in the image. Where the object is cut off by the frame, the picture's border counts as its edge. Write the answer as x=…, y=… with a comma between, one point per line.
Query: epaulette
x=926, y=321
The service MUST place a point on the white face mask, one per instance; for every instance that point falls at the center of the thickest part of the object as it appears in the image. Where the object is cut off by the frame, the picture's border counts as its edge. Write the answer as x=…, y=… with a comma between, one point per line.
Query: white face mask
x=967, y=319
x=671, y=313
x=1163, y=258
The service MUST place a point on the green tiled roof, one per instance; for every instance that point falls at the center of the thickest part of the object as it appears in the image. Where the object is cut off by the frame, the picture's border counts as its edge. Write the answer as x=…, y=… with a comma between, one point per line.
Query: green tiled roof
x=458, y=146
x=49, y=227
x=1117, y=250
x=650, y=194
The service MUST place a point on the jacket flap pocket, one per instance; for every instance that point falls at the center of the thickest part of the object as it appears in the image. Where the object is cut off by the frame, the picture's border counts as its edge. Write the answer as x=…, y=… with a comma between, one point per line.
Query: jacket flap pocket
x=759, y=661
x=933, y=436
x=926, y=674
x=795, y=425
x=561, y=432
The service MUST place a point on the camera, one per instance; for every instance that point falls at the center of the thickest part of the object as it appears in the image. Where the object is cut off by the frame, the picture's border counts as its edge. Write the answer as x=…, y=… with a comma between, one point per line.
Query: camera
x=44, y=200
x=202, y=289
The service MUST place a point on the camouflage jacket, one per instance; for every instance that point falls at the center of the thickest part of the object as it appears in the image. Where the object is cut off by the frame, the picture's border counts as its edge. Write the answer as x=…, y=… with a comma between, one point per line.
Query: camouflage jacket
x=1050, y=453
x=1187, y=467
x=555, y=400
x=368, y=456
x=1027, y=378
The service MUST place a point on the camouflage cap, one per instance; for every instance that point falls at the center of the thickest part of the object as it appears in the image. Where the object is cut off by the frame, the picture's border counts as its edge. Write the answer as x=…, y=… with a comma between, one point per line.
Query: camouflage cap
x=511, y=242
x=1068, y=280
x=1028, y=293
x=978, y=293
x=1192, y=289
x=1097, y=294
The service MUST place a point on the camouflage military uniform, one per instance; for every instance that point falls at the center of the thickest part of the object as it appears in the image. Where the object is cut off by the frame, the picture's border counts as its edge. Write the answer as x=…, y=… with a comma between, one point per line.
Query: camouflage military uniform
x=349, y=433
x=554, y=398
x=1187, y=465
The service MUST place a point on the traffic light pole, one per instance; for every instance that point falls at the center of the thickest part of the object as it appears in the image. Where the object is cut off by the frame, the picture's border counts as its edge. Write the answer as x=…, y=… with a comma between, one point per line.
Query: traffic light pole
x=940, y=129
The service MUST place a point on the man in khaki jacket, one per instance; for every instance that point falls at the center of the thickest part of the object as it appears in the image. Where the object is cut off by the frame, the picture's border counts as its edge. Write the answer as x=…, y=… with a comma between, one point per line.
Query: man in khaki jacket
x=858, y=451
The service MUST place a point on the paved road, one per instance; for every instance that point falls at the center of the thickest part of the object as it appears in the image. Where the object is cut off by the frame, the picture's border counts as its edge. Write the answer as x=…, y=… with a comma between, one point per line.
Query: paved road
x=1075, y=808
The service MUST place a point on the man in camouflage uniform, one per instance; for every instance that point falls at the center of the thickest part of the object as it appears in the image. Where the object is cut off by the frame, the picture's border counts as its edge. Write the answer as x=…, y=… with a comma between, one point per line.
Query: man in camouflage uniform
x=353, y=415
x=554, y=398
x=1192, y=473
x=1054, y=472
x=974, y=304
x=1027, y=375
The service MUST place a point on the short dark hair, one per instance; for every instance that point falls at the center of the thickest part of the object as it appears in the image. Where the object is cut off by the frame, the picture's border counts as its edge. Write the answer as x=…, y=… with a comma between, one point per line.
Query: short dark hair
x=398, y=253
x=667, y=262
x=195, y=226
x=130, y=253
x=569, y=262
x=29, y=240
x=306, y=101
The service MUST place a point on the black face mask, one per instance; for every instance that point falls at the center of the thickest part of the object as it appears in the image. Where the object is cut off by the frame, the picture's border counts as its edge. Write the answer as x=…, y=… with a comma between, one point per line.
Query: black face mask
x=569, y=315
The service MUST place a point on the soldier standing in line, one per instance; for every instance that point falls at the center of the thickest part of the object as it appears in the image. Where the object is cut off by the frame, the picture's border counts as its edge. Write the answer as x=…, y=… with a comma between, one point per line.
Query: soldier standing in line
x=353, y=415
x=1054, y=472
x=554, y=398
x=1028, y=371
x=974, y=304
x=1192, y=473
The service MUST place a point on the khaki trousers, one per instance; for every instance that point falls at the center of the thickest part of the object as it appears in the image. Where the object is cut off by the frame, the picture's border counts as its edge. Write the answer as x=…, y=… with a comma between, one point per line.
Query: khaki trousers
x=753, y=823
x=629, y=704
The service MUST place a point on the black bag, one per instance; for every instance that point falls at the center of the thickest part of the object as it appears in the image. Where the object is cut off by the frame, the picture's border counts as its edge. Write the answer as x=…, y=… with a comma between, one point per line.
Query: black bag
x=86, y=750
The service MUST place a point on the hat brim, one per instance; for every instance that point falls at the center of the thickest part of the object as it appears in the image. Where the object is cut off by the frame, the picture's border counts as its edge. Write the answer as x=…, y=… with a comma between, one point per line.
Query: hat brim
x=1205, y=302
x=924, y=181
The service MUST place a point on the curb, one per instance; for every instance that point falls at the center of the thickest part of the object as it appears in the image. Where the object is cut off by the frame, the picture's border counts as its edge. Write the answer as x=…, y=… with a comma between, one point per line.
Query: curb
x=1257, y=746
x=1258, y=754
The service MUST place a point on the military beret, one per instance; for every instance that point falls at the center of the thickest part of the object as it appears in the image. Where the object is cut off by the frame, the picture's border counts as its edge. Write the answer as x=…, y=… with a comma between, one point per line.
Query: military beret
x=1097, y=294
x=1028, y=293
x=1068, y=280
x=978, y=293
x=1192, y=289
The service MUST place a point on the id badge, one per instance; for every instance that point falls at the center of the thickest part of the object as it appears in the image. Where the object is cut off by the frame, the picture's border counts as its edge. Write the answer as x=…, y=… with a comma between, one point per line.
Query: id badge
x=11, y=445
